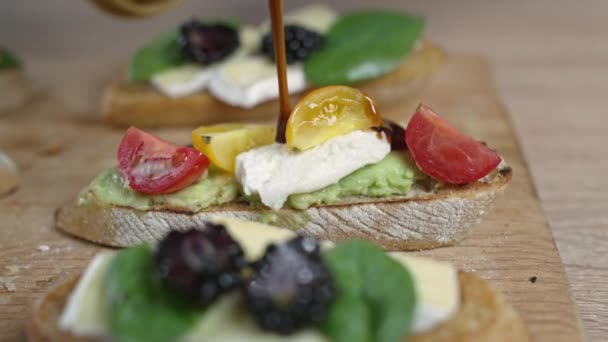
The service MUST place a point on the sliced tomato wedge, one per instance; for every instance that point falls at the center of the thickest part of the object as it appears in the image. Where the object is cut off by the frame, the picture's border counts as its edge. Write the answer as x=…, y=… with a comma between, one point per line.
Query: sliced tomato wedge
x=154, y=166
x=444, y=153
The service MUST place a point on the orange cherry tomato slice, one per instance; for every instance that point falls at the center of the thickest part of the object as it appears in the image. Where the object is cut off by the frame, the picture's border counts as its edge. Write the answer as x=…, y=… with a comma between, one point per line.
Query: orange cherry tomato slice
x=152, y=165
x=444, y=153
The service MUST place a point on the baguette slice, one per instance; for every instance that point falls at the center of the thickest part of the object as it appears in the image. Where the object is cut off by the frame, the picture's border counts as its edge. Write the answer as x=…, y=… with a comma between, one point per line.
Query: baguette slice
x=140, y=104
x=420, y=221
x=484, y=315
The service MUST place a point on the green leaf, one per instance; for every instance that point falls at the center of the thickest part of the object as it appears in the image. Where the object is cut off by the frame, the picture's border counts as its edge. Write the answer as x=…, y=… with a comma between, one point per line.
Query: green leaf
x=364, y=45
x=158, y=55
x=376, y=297
x=163, y=54
x=8, y=60
x=138, y=307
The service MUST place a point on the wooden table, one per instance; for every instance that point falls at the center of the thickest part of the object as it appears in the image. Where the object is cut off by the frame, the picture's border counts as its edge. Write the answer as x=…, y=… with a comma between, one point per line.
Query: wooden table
x=550, y=61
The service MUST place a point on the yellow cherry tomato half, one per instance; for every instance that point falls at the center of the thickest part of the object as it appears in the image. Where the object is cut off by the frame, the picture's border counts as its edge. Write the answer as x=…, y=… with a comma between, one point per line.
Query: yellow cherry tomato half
x=328, y=112
x=222, y=143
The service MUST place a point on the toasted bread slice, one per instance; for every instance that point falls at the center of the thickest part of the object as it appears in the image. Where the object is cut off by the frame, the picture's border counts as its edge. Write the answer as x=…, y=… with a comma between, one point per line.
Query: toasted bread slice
x=484, y=315
x=140, y=104
x=422, y=220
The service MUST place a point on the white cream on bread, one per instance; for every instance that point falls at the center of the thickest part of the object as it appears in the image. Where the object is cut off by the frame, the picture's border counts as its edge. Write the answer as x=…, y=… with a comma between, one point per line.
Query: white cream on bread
x=437, y=287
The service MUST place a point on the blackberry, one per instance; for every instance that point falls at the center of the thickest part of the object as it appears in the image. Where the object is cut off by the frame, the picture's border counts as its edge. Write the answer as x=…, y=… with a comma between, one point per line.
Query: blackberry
x=200, y=264
x=206, y=44
x=291, y=288
x=300, y=43
x=395, y=133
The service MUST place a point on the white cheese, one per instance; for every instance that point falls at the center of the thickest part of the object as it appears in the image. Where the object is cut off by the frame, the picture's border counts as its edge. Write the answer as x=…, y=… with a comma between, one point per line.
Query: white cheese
x=436, y=283
x=274, y=172
x=84, y=313
x=183, y=80
x=254, y=237
x=251, y=80
x=437, y=290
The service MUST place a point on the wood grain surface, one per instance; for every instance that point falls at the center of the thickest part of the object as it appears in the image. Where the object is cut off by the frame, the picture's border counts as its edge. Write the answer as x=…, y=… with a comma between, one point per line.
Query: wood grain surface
x=548, y=57
x=509, y=248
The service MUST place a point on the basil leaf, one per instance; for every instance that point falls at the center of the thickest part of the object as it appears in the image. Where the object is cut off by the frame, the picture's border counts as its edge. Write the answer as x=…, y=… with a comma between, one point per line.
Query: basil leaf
x=376, y=297
x=159, y=55
x=8, y=60
x=138, y=307
x=364, y=45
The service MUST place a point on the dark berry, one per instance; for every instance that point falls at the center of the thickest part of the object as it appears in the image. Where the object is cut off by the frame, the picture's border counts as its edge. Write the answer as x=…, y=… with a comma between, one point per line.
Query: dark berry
x=395, y=133
x=206, y=44
x=200, y=264
x=292, y=288
x=300, y=43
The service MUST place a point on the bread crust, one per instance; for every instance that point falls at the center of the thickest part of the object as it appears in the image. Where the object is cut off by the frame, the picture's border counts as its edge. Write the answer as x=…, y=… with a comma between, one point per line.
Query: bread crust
x=140, y=104
x=424, y=221
x=484, y=315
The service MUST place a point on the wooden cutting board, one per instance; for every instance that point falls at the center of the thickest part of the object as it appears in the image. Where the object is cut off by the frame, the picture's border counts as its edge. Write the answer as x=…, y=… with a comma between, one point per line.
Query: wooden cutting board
x=60, y=153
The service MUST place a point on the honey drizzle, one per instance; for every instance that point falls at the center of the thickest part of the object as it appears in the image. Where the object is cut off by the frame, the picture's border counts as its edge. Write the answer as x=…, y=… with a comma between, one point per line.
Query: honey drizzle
x=278, y=39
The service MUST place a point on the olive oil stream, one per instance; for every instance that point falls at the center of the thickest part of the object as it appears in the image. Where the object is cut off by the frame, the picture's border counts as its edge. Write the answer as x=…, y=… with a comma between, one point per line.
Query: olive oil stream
x=278, y=38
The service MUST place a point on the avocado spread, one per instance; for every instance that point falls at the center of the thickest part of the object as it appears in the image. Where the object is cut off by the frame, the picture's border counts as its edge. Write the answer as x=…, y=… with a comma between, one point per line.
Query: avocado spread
x=216, y=188
x=394, y=175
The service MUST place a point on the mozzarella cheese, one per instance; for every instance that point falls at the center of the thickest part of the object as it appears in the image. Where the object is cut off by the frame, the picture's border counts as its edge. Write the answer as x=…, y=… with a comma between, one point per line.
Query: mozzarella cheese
x=437, y=290
x=273, y=172
x=251, y=80
x=183, y=80
x=84, y=313
x=436, y=283
x=254, y=237
x=246, y=78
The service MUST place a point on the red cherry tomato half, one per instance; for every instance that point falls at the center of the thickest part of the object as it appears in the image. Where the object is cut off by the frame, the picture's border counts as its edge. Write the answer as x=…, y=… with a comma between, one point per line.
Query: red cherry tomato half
x=444, y=153
x=154, y=166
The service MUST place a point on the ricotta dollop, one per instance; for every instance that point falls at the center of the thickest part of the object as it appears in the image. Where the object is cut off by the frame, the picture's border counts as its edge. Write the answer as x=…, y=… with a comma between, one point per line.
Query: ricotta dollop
x=274, y=172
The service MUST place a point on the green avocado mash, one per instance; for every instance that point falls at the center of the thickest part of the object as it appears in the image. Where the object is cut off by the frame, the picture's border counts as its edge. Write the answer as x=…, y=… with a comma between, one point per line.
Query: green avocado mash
x=394, y=175
x=110, y=188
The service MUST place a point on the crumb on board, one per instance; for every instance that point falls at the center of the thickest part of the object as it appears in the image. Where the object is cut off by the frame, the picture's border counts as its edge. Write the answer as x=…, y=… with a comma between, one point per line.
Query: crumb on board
x=8, y=283
x=533, y=279
x=44, y=248
x=12, y=269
